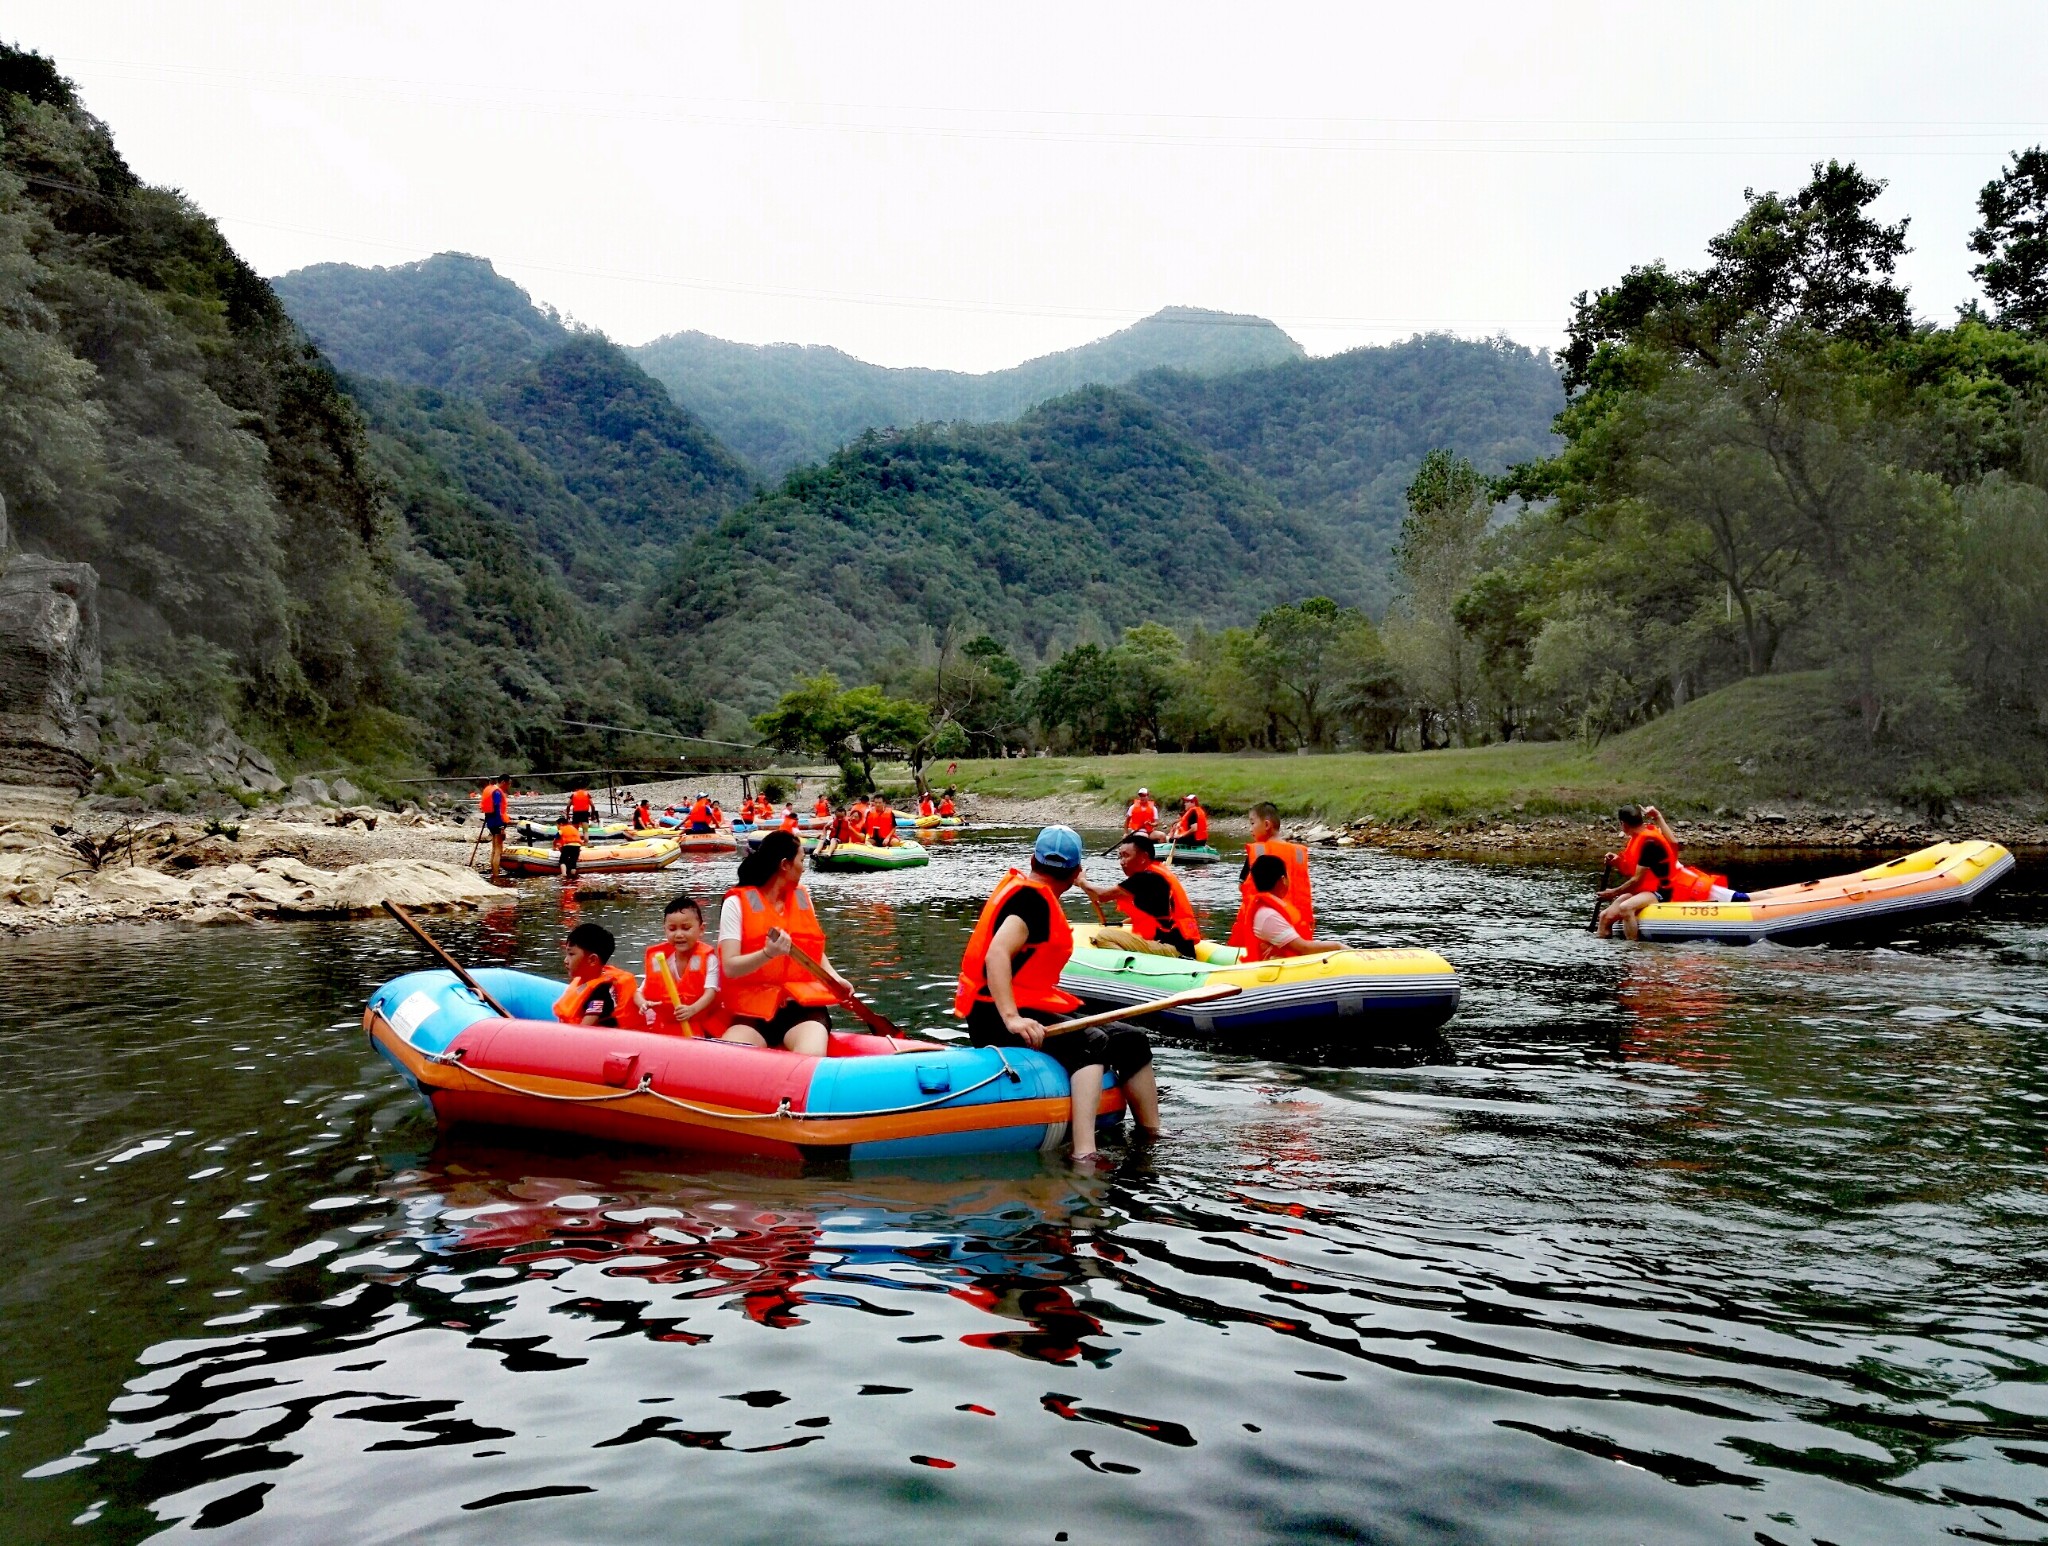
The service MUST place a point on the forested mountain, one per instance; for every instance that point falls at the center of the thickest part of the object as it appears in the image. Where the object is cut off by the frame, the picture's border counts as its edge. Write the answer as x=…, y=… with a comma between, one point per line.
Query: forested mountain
x=162, y=419
x=1090, y=514
x=1338, y=438
x=782, y=404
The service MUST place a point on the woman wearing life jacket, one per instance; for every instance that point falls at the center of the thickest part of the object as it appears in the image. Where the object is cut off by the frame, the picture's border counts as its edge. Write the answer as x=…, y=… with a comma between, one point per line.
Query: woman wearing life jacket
x=1276, y=925
x=946, y=806
x=926, y=806
x=599, y=993
x=1265, y=839
x=773, y=1000
x=1152, y=898
x=679, y=987
x=1009, y=991
x=1192, y=830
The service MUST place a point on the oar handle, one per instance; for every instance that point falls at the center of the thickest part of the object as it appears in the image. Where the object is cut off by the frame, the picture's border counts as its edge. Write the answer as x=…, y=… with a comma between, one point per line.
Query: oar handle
x=1156, y=1006
x=447, y=960
x=1598, y=906
x=675, y=999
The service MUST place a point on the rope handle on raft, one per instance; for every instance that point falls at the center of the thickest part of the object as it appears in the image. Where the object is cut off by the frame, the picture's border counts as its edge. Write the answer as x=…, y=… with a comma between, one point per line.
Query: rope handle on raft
x=782, y=1110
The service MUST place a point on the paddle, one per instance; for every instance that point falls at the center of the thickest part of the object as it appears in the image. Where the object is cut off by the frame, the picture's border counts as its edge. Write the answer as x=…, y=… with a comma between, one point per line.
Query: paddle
x=675, y=999
x=1156, y=1006
x=478, y=843
x=873, y=1019
x=447, y=960
x=1606, y=870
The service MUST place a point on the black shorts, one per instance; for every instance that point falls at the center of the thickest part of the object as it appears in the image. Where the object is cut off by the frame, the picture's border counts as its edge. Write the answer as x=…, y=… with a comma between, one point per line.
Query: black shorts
x=494, y=825
x=1118, y=1048
x=570, y=854
x=784, y=1020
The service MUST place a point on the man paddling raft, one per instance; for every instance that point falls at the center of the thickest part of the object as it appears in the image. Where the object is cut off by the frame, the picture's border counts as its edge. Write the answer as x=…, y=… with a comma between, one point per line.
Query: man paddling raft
x=1151, y=897
x=1009, y=991
x=1651, y=872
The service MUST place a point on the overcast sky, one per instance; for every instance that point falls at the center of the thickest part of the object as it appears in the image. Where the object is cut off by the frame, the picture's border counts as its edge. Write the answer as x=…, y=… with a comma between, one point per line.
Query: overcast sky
x=967, y=185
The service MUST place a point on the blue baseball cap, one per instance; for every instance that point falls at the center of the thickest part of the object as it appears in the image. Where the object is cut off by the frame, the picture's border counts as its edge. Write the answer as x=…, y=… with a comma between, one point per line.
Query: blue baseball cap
x=1058, y=848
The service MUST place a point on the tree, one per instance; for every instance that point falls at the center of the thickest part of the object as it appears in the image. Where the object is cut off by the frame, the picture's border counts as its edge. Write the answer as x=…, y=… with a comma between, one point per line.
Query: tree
x=2012, y=239
x=1448, y=510
x=1313, y=651
x=855, y=727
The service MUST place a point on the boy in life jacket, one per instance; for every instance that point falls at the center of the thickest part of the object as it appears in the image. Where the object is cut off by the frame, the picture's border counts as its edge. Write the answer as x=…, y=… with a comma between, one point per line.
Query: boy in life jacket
x=599, y=993
x=1009, y=991
x=790, y=823
x=1275, y=924
x=1152, y=898
x=1652, y=872
x=679, y=987
x=1266, y=839
x=569, y=844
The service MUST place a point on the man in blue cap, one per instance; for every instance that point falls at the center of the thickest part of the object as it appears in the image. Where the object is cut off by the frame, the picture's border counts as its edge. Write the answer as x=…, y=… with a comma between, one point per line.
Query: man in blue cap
x=1009, y=990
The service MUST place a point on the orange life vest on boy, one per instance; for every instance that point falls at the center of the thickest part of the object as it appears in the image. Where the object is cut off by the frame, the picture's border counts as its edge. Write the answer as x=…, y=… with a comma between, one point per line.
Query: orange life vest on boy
x=1181, y=918
x=625, y=1011
x=1630, y=859
x=660, y=969
x=789, y=821
x=1034, y=971
x=774, y=983
x=1295, y=857
x=568, y=835
x=1258, y=949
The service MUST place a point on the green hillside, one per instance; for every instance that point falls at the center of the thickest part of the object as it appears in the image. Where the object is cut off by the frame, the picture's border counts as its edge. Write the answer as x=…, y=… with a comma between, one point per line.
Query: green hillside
x=783, y=404
x=1337, y=438
x=1089, y=515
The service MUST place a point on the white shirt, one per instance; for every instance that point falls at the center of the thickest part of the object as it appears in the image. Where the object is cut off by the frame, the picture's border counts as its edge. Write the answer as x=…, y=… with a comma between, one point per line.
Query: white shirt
x=1272, y=929
x=729, y=926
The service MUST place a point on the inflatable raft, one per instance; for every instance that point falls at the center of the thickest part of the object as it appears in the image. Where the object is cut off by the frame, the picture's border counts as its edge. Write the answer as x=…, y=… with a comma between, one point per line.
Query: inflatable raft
x=621, y=858
x=873, y=1098
x=1193, y=853
x=848, y=857
x=1323, y=1003
x=1944, y=879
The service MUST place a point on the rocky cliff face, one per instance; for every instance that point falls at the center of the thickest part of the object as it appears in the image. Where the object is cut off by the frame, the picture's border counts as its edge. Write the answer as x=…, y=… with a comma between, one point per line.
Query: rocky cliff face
x=49, y=661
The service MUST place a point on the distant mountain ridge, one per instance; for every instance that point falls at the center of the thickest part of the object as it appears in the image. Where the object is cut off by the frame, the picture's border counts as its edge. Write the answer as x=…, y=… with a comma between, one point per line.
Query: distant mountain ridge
x=780, y=405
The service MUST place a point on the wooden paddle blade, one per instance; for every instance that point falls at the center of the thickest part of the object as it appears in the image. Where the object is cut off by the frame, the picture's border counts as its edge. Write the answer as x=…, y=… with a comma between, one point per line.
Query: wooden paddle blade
x=874, y=1019
x=447, y=960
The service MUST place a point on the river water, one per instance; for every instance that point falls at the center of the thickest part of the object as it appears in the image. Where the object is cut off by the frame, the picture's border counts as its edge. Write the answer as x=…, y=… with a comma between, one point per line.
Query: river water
x=1661, y=1244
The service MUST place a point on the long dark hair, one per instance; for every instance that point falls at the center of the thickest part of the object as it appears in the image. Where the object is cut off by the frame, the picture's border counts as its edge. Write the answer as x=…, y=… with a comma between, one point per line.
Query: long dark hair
x=769, y=855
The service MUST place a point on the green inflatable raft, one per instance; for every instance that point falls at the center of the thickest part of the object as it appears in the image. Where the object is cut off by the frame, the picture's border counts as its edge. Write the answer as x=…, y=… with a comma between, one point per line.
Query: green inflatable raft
x=850, y=858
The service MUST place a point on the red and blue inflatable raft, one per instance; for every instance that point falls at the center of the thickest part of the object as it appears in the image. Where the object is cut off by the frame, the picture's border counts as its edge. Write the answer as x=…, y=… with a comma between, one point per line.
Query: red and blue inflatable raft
x=874, y=1097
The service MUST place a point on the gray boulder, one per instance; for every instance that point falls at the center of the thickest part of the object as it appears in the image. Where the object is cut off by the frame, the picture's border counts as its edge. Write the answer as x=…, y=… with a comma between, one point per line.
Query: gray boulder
x=49, y=661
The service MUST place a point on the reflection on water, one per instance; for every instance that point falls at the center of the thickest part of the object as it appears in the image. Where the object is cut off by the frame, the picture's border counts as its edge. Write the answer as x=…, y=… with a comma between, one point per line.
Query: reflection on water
x=1671, y=1244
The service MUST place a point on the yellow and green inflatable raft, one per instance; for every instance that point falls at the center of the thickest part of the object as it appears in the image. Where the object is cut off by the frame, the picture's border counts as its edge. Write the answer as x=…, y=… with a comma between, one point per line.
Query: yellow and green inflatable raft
x=1328, y=1002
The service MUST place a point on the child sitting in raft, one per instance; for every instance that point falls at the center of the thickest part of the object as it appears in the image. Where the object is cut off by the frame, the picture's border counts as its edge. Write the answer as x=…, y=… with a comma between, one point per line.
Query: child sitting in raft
x=679, y=994
x=599, y=993
x=1276, y=926
x=773, y=999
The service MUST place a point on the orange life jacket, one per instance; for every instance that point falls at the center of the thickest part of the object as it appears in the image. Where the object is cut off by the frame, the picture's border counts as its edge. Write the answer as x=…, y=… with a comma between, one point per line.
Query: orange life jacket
x=946, y=808
x=881, y=824
x=700, y=813
x=789, y=821
x=579, y=802
x=1299, y=897
x=1141, y=817
x=568, y=835
x=625, y=1011
x=1181, y=918
x=925, y=806
x=643, y=815
x=1194, y=823
x=822, y=808
x=774, y=983
x=1258, y=949
x=660, y=968
x=1630, y=859
x=1034, y=971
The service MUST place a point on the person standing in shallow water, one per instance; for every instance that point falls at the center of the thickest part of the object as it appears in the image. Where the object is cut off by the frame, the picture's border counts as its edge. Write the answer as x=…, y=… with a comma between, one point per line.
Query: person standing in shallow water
x=1009, y=991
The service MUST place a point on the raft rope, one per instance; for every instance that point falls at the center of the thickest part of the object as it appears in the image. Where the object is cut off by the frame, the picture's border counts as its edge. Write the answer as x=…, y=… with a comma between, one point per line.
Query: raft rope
x=646, y=1087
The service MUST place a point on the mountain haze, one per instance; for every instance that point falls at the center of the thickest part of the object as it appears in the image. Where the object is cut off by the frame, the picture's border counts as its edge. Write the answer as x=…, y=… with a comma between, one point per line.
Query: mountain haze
x=779, y=405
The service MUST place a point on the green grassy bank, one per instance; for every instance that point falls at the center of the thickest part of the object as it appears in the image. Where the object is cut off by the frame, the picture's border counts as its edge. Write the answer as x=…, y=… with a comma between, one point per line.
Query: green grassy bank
x=1772, y=739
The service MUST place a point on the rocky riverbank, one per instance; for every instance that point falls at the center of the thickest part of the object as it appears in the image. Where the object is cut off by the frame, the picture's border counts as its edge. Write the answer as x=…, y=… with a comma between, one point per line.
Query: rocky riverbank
x=65, y=864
